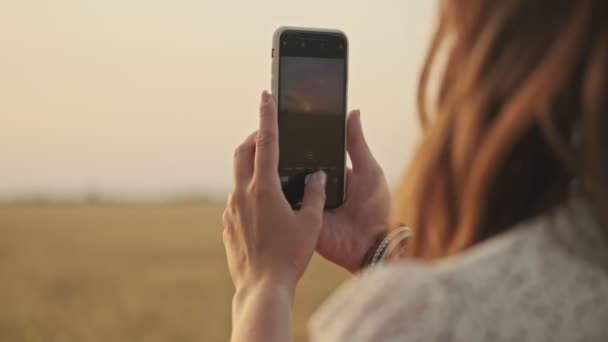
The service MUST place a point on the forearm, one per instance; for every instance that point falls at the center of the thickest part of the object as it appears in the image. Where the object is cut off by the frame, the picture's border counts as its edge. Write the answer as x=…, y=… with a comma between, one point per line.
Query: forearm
x=262, y=312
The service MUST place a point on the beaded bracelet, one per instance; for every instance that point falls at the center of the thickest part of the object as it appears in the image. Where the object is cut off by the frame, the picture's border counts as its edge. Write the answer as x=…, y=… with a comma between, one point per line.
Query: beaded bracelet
x=386, y=245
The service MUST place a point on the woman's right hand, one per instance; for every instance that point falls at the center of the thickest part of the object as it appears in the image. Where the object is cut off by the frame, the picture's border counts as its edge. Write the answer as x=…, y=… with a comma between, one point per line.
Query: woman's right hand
x=351, y=230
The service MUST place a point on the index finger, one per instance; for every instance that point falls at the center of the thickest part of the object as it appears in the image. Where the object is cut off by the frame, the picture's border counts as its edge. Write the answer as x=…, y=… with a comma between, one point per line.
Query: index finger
x=267, y=142
x=243, y=161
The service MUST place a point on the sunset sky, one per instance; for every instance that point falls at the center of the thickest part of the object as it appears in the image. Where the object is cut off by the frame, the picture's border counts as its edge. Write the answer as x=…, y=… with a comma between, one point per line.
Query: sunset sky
x=147, y=98
x=312, y=85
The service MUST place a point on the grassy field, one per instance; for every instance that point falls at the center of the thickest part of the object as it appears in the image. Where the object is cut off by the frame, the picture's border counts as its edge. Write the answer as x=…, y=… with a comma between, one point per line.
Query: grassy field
x=124, y=273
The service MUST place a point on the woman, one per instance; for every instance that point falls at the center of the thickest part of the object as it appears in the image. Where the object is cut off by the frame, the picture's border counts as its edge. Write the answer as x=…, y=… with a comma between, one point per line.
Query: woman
x=507, y=196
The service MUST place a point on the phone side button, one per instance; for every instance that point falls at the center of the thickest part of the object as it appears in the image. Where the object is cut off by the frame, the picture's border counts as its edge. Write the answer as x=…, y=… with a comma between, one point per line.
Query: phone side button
x=272, y=53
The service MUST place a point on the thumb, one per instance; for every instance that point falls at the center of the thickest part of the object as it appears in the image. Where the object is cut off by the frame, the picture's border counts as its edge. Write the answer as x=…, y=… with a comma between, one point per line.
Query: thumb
x=357, y=147
x=314, y=195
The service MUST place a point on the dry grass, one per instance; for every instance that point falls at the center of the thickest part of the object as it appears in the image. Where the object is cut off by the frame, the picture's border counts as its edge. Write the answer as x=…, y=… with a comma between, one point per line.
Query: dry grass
x=124, y=273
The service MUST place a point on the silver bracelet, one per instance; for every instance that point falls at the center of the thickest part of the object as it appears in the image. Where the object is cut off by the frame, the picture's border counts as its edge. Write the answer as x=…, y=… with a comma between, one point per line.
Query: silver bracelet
x=394, y=238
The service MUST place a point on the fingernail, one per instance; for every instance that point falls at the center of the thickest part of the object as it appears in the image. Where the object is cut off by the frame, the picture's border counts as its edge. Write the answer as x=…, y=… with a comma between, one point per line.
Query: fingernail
x=265, y=96
x=321, y=177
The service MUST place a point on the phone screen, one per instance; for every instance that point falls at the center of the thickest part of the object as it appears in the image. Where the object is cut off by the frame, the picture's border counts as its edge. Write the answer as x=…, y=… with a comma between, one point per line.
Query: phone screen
x=312, y=112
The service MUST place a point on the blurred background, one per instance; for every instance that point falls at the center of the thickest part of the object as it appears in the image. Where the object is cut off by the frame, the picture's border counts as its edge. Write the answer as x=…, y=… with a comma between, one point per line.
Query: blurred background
x=118, y=123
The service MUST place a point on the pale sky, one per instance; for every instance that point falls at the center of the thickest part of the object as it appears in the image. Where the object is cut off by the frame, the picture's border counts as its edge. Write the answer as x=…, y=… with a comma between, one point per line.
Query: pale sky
x=147, y=98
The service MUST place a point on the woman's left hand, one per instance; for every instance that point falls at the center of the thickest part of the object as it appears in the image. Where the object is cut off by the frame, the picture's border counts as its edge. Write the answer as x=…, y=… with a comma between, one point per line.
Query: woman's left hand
x=265, y=240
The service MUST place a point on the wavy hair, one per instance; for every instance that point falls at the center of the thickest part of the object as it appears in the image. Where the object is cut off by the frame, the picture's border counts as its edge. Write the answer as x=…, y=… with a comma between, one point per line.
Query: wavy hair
x=519, y=110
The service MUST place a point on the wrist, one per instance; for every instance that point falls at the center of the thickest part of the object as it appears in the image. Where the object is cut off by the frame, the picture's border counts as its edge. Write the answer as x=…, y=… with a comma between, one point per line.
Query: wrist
x=362, y=249
x=267, y=290
x=387, y=246
x=264, y=284
x=262, y=311
x=371, y=245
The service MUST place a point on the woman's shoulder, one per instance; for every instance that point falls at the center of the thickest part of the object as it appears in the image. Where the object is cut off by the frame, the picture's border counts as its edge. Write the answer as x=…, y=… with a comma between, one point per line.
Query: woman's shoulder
x=377, y=302
x=408, y=300
x=512, y=287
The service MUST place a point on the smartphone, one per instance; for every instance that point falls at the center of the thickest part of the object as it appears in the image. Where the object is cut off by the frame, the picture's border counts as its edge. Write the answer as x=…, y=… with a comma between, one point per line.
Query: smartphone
x=309, y=82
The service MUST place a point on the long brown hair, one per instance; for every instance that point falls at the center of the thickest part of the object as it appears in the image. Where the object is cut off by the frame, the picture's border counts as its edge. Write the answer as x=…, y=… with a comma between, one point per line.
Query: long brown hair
x=519, y=111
